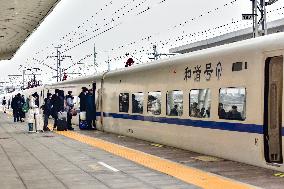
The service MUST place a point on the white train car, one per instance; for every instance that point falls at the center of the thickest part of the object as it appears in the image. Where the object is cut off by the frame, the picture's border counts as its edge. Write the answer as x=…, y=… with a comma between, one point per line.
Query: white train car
x=224, y=101
x=247, y=75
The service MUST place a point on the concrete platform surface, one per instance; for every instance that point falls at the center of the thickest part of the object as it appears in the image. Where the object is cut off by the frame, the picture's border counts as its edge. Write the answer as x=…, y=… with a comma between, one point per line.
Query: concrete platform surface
x=95, y=159
x=49, y=160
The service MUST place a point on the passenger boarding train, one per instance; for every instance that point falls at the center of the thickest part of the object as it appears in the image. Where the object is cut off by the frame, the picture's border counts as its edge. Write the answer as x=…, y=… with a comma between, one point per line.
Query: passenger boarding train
x=225, y=101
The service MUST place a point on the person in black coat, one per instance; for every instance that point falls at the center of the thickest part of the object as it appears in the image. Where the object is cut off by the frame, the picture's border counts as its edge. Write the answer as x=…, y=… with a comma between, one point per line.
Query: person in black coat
x=16, y=105
x=83, y=99
x=56, y=106
x=21, y=112
x=90, y=110
x=47, y=111
x=15, y=109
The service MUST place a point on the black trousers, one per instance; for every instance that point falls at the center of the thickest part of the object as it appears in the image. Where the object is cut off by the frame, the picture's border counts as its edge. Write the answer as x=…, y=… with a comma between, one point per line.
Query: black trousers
x=16, y=115
x=55, y=122
x=69, y=119
x=45, y=121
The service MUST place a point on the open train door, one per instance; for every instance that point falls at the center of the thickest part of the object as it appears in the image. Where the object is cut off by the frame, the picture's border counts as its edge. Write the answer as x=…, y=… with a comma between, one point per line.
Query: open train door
x=94, y=94
x=273, y=109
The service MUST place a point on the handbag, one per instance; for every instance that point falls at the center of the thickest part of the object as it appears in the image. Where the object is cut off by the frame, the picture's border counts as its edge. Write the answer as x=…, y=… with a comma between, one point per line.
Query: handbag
x=62, y=115
x=73, y=112
x=82, y=115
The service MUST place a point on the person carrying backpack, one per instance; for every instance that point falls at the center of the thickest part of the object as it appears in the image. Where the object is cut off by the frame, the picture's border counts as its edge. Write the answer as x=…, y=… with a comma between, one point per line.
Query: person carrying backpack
x=16, y=105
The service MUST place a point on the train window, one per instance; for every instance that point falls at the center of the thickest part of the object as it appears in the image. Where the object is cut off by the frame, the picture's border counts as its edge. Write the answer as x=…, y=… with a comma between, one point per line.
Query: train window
x=154, y=103
x=200, y=103
x=137, y=103
x=123, y=102
x=232, y=103
x=174, y=103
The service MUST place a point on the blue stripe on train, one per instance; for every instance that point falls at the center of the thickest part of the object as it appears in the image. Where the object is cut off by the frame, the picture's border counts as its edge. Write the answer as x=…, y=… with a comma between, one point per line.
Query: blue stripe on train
x=240, y=127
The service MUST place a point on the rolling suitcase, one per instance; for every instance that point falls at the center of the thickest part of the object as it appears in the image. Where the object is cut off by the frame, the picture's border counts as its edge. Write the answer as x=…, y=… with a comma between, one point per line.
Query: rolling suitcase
x=31, y=121
x=62, y=124
x=83, y=125
x=30, y=127
x=39, y=122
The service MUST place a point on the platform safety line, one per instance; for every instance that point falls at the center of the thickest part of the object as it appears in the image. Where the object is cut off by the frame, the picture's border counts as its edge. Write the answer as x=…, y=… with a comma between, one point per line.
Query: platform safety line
x=187, y=174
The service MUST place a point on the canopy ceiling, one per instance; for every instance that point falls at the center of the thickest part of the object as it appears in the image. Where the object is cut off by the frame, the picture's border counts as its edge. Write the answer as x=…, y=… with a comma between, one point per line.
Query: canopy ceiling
x=18, y=19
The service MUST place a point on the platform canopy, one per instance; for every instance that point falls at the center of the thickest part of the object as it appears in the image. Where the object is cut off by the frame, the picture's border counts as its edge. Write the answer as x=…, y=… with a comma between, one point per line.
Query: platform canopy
x=18, y=19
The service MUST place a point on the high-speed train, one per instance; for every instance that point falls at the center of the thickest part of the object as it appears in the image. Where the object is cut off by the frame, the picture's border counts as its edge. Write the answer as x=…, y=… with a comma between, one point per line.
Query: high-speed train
x=224, y=101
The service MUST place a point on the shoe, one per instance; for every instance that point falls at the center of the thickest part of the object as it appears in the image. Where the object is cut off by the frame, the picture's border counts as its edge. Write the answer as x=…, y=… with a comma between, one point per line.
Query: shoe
x=71, y=129
x=92, y=128
x=46, y=129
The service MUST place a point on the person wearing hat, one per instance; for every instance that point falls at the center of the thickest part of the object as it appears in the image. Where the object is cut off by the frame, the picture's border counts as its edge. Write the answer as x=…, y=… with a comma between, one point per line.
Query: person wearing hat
x=69, y=107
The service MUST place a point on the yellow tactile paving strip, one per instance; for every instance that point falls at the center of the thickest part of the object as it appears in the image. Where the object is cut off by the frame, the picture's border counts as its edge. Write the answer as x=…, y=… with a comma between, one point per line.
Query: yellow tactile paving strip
x=190, y=175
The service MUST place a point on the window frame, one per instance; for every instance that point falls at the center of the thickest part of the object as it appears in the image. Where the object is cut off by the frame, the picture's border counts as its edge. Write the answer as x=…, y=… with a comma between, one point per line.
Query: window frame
x=245, y=103
x=167, y=103
x=189, y=108
x=142, y=103
x=119, y=102
x=161, y=100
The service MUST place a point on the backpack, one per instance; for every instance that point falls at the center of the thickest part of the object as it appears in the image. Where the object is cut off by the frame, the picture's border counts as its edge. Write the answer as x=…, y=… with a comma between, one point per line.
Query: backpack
x=25, y=107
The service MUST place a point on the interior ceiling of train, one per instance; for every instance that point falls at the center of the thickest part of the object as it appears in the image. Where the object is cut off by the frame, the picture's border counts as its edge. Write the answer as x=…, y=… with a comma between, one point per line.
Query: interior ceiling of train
x=18, y=19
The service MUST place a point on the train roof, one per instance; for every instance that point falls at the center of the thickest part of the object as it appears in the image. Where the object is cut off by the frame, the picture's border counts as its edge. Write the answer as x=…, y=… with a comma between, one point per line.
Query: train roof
x=80, y=80
x=263, y=43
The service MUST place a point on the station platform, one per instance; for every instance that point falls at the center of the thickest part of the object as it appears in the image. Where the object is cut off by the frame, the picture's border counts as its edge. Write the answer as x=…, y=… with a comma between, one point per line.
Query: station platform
x=100, y=160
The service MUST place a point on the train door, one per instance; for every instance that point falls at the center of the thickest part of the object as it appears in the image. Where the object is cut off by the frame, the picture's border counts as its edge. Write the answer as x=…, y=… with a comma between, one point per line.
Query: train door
x=273, y=109
x=94, y=94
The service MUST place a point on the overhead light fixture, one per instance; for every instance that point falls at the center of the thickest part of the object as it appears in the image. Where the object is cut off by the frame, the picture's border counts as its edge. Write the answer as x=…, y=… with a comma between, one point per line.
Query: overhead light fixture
x=1, y=36
x=12, y=8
